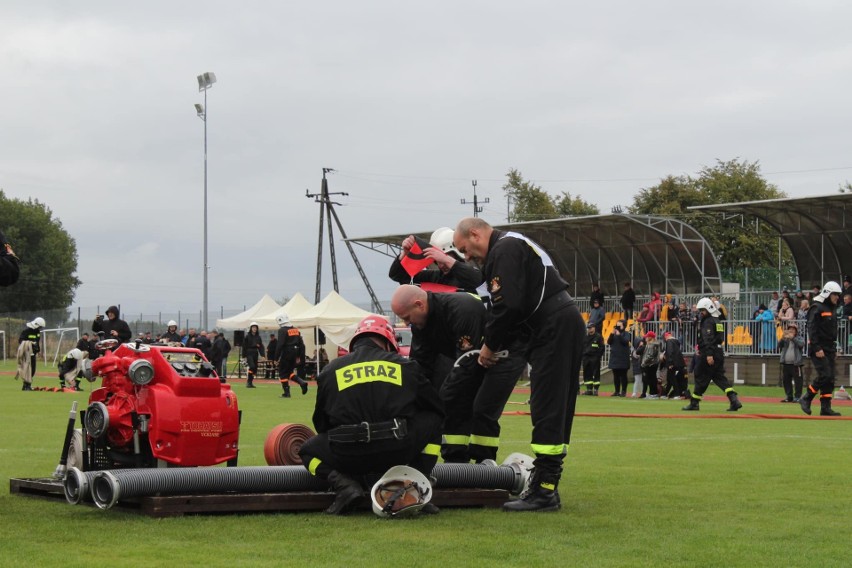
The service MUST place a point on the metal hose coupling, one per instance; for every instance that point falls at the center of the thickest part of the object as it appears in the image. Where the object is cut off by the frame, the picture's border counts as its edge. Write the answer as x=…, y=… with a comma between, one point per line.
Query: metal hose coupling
x=76, y=484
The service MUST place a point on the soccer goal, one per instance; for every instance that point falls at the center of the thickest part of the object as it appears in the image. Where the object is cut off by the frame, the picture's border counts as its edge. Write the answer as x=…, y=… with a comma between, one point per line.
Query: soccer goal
x=55, y=343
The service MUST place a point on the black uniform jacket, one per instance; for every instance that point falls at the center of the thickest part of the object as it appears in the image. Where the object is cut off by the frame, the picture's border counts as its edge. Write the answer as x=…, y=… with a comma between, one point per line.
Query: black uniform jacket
x=171, y=337
x=253, y=343
x=272, y=348
x=711, y=336
x=463, y=275
x=673, y=356
x=217, y=351
x=107, y=325
x=371, y=385
x=31, y=335
x=822, y=328
x=290, y=343
x=10, y=270
x=593, y=345
x=454, y=325
x=519, y=278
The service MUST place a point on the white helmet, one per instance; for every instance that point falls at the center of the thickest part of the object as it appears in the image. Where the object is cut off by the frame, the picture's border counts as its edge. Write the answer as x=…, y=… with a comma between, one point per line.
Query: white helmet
x=831, y=287
x=38, y=322
x=442, y=238
x=283, y=320
x=75, y=354
x=707, y=304
x=254, y=324
x=172, y=323
x=401, y=491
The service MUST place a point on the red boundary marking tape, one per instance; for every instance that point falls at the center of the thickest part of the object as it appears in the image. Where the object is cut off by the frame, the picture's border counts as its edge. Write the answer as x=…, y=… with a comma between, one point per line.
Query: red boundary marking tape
x=692, y=415
x=716, y=398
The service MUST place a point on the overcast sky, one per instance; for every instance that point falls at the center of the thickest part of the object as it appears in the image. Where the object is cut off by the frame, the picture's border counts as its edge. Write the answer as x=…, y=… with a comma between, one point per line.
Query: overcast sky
x=409, y=102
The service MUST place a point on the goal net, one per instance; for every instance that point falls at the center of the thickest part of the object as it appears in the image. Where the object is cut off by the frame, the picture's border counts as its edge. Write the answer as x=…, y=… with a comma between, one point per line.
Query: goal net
x=55, y=343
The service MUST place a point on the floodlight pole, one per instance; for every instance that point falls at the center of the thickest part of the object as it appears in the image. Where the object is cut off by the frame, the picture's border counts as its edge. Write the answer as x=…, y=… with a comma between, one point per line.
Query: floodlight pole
x=205, y=81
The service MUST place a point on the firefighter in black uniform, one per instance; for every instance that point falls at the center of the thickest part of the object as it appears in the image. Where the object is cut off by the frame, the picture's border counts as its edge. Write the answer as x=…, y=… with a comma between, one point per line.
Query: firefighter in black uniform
x=171, y=335
x=375, y=409
x=32, y=333
x=452, y=269
x=710, y=366
x=290, y=356
x=593, y=351
x=252, y=350
x=822, y=339
x=451, y=325
x=530, y=303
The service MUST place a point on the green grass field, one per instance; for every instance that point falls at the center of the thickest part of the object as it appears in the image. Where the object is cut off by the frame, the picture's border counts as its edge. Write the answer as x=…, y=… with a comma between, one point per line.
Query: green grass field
x=636, y=492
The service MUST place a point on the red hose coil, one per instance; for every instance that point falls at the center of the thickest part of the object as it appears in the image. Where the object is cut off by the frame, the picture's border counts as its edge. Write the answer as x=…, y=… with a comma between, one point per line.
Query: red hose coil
x=284, y=442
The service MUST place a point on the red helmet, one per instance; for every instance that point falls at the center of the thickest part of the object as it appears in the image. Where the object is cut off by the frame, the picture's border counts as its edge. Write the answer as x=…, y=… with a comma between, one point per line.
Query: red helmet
x=375, y=325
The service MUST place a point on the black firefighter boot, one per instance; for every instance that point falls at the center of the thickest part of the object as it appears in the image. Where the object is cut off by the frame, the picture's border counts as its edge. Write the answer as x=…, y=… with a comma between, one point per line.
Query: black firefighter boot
x=541, y=496
x=735, y=402
x=250, y=381
x=286, y=393
x=693, y=404
x=346, y=492
x=805, y=401
x=301, y=382
x=825, y=407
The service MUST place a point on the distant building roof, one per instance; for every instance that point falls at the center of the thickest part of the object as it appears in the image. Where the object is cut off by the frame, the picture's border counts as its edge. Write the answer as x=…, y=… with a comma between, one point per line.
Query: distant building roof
x=658, y=254
x=818, y=231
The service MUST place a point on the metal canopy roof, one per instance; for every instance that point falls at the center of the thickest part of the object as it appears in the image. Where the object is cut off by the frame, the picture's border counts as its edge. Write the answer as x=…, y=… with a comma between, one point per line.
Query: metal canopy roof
x=654, y=253
x=818, y=231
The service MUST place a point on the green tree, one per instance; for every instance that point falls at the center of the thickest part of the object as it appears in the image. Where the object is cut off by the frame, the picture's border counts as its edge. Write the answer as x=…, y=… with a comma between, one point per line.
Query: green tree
x=738, y=243
x=530, y=202
x=567, y=206
x=48, y=257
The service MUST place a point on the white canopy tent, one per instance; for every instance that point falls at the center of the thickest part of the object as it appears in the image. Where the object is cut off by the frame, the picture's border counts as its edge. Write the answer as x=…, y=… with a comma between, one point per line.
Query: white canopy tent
x=263, y=307
x=295, y=306
x=336, y=317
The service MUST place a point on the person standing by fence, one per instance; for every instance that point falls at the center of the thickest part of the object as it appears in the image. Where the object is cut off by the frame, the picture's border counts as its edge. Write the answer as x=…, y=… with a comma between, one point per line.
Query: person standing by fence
x=619, y=342
x=791, y=346
x=822, y=337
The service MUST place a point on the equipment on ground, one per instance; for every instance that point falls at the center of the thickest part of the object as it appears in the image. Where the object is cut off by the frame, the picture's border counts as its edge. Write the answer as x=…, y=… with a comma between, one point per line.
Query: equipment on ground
x=158, y=405
x=401, y=491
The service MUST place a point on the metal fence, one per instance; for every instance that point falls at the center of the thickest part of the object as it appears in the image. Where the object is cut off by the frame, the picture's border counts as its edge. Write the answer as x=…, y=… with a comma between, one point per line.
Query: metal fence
x=743, y=337
x=79, y=318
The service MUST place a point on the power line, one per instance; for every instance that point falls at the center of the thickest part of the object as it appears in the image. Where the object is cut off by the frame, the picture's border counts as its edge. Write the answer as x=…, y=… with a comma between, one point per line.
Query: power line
x=476, y=208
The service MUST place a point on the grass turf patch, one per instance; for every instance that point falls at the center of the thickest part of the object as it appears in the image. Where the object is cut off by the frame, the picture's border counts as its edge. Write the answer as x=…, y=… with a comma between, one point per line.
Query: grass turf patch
x=635, y=493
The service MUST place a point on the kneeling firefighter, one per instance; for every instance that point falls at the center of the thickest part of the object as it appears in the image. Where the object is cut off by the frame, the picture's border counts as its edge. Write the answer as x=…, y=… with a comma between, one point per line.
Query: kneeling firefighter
x=71, y=369
x=375, y=409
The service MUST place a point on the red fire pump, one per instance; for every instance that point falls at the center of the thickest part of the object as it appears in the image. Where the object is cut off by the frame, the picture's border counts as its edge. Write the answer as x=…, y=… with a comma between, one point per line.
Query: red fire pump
x=158, y=405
